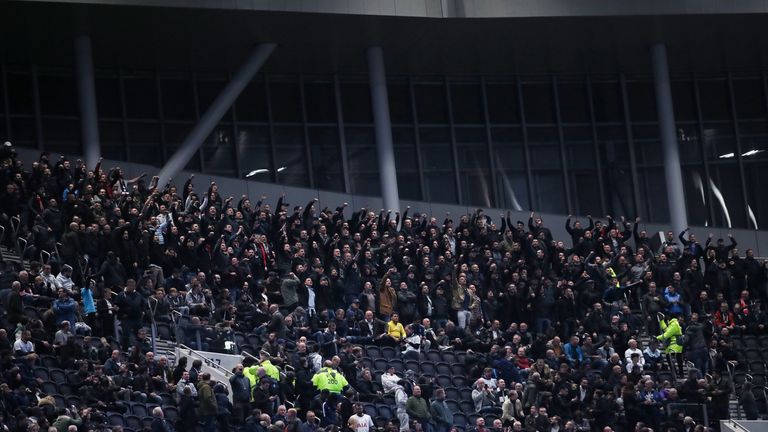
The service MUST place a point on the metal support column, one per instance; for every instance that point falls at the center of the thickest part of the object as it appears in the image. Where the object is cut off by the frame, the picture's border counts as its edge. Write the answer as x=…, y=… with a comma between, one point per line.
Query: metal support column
x=668, y=134
x=86, y=95
x=216, y=111
x=384, y=148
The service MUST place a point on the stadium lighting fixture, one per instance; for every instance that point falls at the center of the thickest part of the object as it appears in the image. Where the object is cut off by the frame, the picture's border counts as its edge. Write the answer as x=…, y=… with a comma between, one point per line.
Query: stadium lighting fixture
x=257, y=171
x=748, y=153
x=752, y=152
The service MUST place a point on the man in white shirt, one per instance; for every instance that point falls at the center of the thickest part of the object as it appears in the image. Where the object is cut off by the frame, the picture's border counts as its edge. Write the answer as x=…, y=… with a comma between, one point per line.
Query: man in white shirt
x=64, y=279
x=360, y=421
x=633, y=349
x=24, y=346
x=49, y=279
x=389, y=380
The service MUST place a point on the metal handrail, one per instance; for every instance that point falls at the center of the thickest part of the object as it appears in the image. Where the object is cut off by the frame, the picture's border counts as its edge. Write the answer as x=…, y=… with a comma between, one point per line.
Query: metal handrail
x=21, y=250
x=731, y=366
x=15, y=224
x=45, y=256
x=208, y=362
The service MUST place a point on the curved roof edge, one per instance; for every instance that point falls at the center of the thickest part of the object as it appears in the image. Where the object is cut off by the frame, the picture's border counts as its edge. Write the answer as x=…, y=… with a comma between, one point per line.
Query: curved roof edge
x=452, y=9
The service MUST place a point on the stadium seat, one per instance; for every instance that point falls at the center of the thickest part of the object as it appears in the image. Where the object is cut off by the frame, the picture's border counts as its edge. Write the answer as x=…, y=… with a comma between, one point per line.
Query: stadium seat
x=750, y=341
x=453, y=405
x=139, y=409
x=460, y=420
x=412, y=365
x=61, y=401
x=42, y=373
x=49, y=387
x=448, y=357
x=115, y=419
x=146, y=423
x=370, y=409
x=444, y=381
x=443, y=368
x=758, y=380
x=171, y=413
x=753, y=354
x=372, y=351
x=367, y=362
x=428, y=368
x=467, y=407
x=458, y=369
x=384, y=411
x=164, y=331
x=452, y=393
x=49, y=361
x=434, y=356
x=57, y=375
x=466, y=394
x=397, y=364
x=757, y=367
x=380, y=364
x=388, y=352
x=133, y=422
x=459, y=381
x=74, y=400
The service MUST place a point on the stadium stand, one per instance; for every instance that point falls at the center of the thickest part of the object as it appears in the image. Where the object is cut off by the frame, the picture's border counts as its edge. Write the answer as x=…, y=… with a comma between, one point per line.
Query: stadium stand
x=358, y=320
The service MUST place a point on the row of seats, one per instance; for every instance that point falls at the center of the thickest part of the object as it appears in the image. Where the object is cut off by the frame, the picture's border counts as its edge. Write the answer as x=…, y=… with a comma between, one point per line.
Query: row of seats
x=464, y=414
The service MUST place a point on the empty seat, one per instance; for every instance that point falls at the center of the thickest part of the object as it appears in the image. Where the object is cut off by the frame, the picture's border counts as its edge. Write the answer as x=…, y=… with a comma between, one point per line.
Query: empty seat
x=370, y=409
x=49, y=361
x=753, y=354
x=459, y=381
x=372, y=351
x=49, y=387
x=397, y=364
x=448, y=357
x=467, y=406
x=164, y=332
x=412, y=365
x=42, y=373
x=434, y=356
x=115, y=419
x=380, y=364
x=465, y=394
x=453, y=405
x=443, y=368
x=452, y=393
x=171, y=413
x=444, y=381
x=458, y=369
x=139, y=409
x=74, y=400
x=57, y=375
x=61, y=402
x=133, y=422
x=460, y=420
x=384, y=411
x=388, y=352
x=757, y=367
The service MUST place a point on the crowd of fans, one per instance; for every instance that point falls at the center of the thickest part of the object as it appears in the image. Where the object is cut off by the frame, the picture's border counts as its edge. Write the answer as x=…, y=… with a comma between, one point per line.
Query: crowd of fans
x=547, y=325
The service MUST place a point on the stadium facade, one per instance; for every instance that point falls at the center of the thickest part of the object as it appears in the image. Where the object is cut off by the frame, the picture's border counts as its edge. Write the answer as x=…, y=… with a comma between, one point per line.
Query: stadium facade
x=650, y=109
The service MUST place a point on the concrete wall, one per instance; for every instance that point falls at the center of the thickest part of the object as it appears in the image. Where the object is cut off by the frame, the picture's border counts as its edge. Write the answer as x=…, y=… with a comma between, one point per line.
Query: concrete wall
x=463, y=8
x=228, y=186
